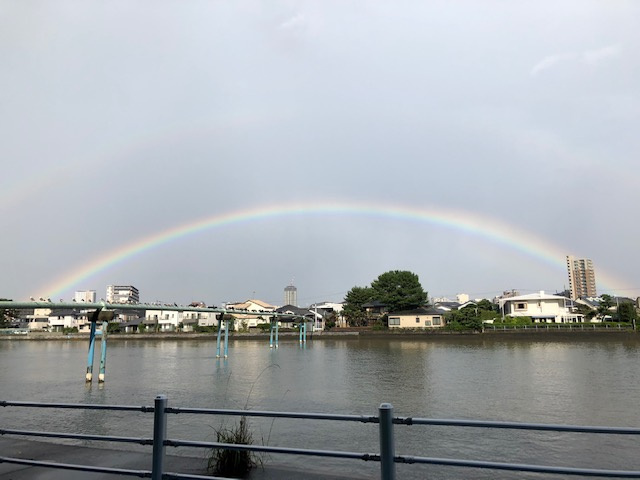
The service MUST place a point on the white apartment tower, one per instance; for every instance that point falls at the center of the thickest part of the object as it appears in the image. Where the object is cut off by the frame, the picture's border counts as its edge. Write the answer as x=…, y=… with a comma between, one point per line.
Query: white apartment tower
x=122, y=294
x=291, y=295
x=582, y=277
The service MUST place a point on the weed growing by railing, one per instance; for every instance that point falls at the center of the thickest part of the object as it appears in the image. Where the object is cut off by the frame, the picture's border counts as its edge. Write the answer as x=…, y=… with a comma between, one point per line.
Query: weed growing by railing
x=233, y=463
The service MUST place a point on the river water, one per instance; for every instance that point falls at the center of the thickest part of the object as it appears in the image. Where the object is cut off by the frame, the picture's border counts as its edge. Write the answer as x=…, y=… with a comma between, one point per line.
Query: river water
x=571, y=379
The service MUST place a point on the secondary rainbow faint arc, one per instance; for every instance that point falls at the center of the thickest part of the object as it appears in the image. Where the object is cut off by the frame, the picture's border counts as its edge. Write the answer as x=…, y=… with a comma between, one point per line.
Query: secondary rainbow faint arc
x=468, y=222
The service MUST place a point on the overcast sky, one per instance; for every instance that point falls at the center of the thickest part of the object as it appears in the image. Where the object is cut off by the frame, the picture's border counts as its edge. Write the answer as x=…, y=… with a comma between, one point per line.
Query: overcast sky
x=121, y=120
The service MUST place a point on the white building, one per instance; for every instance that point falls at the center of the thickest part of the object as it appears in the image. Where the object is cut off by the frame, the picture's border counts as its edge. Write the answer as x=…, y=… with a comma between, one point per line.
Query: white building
x=257, y=312
x=540, y=307
x=172, y=320
x=462, y=298
x=122, y=294
x=85, y=296
x=61, y=319
x=165, y=320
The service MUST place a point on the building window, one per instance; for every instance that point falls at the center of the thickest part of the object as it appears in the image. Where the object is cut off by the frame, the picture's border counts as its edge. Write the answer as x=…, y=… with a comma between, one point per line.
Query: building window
x=417, y=319
x=427, y=323
x=521, y=306
x=436, y=321
x=394, y=321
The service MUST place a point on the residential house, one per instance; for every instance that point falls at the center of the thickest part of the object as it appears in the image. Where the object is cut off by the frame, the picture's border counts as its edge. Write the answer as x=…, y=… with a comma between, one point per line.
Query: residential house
x=297, y=314
x=374, y=310
x=247, y=315
x=68, y=318
x=541, y=308
x=330, y=310
x=133, y=325
x=162, y=320
x=423, y=317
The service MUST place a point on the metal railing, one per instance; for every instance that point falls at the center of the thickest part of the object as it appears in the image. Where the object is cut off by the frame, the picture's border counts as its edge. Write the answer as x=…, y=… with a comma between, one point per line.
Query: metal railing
x=489, y=327
x=386, y=457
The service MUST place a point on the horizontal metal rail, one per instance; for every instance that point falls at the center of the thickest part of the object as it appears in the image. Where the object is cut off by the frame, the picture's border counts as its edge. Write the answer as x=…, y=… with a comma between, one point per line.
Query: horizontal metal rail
x=271, y=414
x=516, y=425
x=520, y=467
x=267, y=449
x=18, y=305
x=78, y=436
x=78, y=406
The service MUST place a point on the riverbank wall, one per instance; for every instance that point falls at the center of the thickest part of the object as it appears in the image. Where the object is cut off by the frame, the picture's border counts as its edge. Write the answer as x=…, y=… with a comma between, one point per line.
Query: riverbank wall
x=542, y=330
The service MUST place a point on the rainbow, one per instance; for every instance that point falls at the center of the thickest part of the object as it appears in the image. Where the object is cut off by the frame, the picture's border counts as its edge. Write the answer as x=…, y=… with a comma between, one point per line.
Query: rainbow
x=467, y=222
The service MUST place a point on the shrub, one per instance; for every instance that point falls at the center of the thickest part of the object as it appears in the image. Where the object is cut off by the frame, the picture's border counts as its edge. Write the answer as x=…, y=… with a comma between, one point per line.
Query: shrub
x=232, y=463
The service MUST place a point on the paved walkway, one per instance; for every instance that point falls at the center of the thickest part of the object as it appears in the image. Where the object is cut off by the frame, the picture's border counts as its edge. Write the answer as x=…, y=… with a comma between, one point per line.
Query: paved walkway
x=71, y=454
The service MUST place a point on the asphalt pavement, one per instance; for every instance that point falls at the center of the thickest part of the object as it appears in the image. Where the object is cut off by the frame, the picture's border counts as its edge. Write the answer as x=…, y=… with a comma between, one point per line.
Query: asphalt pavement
x=14, y=447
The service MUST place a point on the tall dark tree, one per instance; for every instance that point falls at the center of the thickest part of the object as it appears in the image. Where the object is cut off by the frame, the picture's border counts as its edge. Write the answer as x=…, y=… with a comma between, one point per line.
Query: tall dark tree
x=7, y=315
x=353, y=309
x=399, y=290
x=627, y=312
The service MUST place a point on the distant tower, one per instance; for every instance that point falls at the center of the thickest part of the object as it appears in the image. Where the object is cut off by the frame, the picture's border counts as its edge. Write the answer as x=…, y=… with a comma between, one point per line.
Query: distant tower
x=582, y=277
x=291, y=295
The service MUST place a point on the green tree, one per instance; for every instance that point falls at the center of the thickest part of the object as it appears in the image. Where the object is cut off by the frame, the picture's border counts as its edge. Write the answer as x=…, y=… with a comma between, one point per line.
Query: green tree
x=486, y=305
x=353, y=309
x=606, y=302
x=399, y=290
x=467, y=318
x=627, y=312
x=585, y=310
x=7, y=315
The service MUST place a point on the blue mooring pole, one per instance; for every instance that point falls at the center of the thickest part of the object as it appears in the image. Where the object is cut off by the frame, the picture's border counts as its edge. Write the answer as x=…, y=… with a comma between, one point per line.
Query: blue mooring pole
x=305, y=332
x=103, y=352
x=92, y=341
x=159, y=436
x=219, y=334
x=276, y=319
x=226, y=338
x=387, y=443
x=271, y=332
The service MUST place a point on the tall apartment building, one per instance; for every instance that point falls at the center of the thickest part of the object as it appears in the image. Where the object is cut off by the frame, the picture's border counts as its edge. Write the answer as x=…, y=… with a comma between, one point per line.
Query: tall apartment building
x=582, y=277
x=85, y=296
x=122, y=294
x=291, y=295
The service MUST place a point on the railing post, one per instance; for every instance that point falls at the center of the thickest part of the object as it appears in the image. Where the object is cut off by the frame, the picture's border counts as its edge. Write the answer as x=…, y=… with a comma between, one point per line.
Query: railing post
x=387, y=444
x=159, y=436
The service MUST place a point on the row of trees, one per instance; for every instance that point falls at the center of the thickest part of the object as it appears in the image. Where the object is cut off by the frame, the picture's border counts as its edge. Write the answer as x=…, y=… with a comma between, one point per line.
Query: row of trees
x=397, y=290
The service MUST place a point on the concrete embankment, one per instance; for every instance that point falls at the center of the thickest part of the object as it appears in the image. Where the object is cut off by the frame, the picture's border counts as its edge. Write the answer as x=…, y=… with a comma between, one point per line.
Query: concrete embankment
x=338, y=333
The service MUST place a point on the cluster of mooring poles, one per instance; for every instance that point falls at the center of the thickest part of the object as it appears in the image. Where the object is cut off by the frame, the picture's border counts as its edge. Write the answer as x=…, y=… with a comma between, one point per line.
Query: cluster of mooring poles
x=105, y=313
x=103, y=316
x=222, y=318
